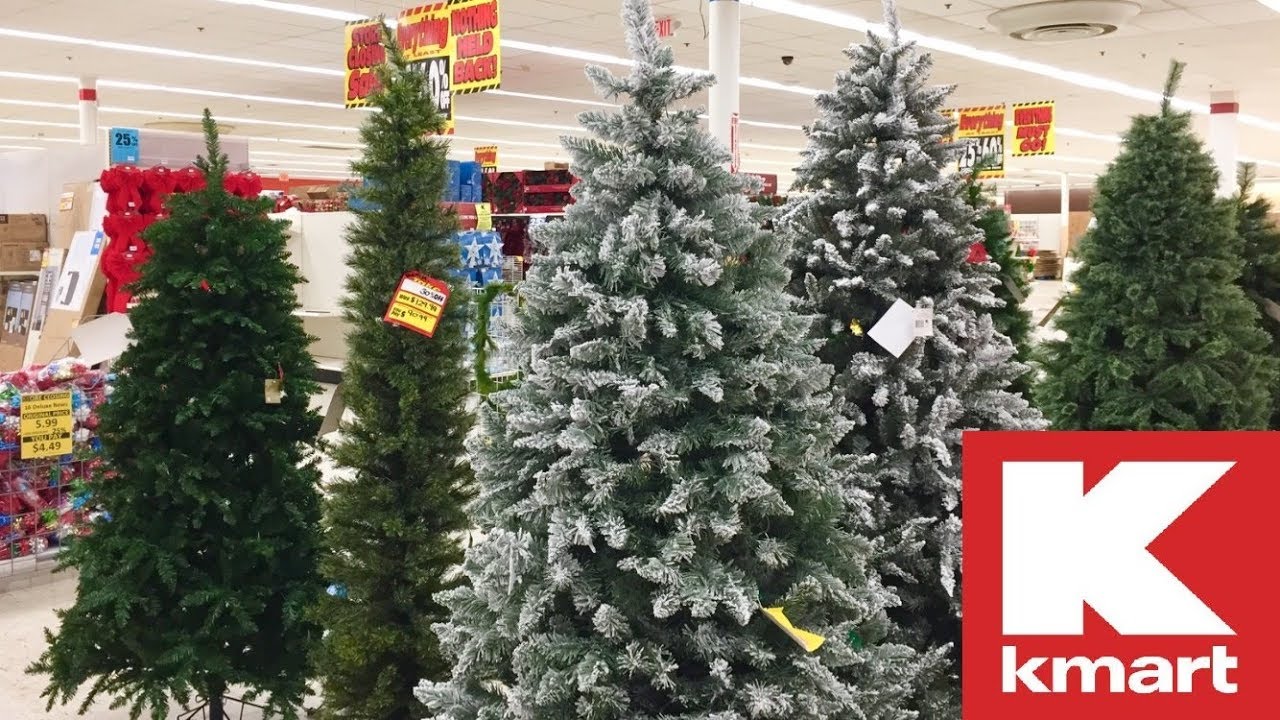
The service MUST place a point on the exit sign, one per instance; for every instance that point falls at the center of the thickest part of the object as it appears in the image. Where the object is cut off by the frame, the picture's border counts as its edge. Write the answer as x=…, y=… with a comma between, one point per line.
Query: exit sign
x=666, y=27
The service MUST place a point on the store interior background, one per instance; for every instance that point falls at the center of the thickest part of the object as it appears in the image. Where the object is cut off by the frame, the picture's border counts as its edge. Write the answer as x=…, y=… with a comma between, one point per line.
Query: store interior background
x=271, y=73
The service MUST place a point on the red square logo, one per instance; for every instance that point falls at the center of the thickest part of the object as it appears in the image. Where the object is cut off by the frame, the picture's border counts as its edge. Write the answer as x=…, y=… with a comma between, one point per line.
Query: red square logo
x=1120, y=575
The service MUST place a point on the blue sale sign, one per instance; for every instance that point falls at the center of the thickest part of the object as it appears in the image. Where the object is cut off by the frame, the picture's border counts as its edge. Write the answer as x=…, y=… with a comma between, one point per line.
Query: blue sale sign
x=124, y=146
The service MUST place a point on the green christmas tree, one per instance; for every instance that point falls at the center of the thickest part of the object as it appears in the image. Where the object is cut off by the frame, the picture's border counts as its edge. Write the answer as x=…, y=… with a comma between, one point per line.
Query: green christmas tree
x=663, y=470
x=1011, y=317
x=1160, y=335
x=881, y=237
x=1261, y=278
x=396, y=517
x=202, y=580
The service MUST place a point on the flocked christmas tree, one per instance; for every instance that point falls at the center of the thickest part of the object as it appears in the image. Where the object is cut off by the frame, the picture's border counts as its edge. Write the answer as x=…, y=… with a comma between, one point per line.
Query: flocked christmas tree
x=395, y=518
x=663, y=469
x=1012, y=319
x=882, y=231
x=203, y=578
x=1160, y=335
x=1261, y=278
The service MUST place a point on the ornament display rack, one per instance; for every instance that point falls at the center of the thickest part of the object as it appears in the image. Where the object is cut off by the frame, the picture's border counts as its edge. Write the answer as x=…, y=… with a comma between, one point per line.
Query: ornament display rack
x=45, y=502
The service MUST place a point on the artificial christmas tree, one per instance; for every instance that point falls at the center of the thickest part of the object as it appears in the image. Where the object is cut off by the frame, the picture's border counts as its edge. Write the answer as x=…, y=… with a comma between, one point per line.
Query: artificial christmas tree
x=395, y=517
x=1159, y=334
x=999, y=254
x=882, y=243
x=662, y=471
x=203, y=577
x=1261, y=279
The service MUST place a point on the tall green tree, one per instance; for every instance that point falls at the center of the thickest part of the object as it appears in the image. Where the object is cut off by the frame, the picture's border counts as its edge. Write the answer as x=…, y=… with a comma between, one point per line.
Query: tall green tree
x=883, y=221
x=1011, y=317
x=664, y=468
x=1260, y=245
x=395, y=519
x=1160, y=336
x=203, y=578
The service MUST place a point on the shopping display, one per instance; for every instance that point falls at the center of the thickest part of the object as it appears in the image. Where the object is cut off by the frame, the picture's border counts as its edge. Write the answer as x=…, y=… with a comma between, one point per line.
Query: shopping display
x=49, y=455
x=395, y=517
x=478, y=397
x=930, y=364
x=644, y=489
x=213, y=489
x=1159, y=333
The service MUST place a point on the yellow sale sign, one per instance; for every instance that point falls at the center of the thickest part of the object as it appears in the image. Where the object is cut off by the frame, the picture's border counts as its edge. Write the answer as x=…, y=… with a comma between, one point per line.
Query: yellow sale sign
x=466, y=32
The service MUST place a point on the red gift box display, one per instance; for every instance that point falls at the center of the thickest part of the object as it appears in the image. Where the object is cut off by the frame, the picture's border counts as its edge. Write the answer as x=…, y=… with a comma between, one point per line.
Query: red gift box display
x=135, y=199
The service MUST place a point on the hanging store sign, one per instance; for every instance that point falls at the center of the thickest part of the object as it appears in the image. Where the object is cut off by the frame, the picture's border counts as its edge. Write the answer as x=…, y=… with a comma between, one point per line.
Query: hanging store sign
x=124, y=146
x=436, y=70
x=981, y=137
x=418, y=303
x=1033, y=129
x=487, y=156
x=364, y=53
x=467, y=32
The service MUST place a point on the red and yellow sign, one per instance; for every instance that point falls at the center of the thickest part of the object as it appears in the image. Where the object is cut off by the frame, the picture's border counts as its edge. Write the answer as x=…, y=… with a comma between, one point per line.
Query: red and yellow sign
x=467, y=32
x=980, y=135
x=418, y=303
x=1033, y=129
x=487, y=156
x=364, y=54
x=45, y=425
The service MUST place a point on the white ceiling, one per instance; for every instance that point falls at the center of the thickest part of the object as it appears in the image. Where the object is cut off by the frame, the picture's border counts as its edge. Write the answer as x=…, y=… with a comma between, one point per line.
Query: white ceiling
x=1228, y=44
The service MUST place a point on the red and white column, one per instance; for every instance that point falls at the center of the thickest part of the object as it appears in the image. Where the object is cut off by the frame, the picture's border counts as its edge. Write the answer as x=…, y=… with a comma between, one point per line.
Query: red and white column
x=1224, y=138
x=88, y=110
x=726, y=65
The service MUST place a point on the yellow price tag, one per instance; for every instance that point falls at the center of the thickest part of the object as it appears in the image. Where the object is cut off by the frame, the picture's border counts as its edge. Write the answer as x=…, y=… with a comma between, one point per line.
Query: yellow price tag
x=46, y=425
x=484, y=216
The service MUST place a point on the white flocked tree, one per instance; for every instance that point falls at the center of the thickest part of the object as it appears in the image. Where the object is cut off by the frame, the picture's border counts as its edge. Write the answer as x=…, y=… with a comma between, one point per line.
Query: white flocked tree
x=882, y=219
x=664, y=470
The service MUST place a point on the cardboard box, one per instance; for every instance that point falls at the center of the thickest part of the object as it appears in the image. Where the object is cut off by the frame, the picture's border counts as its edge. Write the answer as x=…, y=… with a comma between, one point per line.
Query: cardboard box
x=50, y=273
x=19, y=300
x=23, y=239
x=74, y=213
x=77, y=297
x=555, y=166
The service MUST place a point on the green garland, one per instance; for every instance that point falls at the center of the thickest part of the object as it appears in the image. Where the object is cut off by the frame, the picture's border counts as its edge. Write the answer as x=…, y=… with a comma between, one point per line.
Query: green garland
x=482, y=344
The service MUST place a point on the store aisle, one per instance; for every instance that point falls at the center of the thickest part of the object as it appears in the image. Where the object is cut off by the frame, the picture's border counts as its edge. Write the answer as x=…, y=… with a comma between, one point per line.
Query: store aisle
x=24, y=614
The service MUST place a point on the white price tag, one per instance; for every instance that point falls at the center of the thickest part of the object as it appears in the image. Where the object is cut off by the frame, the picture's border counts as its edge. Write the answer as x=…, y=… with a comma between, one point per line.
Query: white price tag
x=924, y=322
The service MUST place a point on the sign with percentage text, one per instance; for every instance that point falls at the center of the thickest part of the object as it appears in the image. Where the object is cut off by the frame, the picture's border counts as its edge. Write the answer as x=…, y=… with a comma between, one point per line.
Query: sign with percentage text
x=46, y=425
x=980, y=136
x=468, y=32
x=418, y=303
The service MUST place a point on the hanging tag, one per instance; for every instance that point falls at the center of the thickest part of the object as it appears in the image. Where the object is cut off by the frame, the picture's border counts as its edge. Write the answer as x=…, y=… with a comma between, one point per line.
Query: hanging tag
x=924, y=322
x=273, y=390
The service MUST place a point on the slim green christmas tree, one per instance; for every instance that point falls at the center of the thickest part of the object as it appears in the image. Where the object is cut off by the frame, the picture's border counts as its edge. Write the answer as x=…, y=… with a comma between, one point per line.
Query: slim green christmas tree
x=396, y=517
x=663, y=470
x=1160, y=335
x=1261, y=278
x=882, y=236
x=203, y=579
x=1011, y=317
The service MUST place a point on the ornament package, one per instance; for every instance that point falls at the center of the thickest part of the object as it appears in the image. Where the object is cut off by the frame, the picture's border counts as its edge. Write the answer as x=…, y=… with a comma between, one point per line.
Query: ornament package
x=45, y=500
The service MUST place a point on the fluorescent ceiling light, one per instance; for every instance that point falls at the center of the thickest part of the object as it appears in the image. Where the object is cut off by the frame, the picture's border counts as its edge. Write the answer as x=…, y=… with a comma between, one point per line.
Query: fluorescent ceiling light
x=552, y=98
x=298, y=9
x=127, y=85
x=1272, y=4
x=164, y=52
x=29, y=138
x=20, y=147
x=41, y=123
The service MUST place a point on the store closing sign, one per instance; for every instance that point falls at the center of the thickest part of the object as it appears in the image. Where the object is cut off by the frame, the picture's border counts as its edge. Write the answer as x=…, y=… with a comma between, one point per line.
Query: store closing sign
x=980, y=135
x=487, y=156
x=1033, y=128
x=364, y=53
x=467, y=32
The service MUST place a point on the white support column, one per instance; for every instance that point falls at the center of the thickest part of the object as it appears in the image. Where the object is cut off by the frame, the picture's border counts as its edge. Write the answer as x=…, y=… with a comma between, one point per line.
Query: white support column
x=726, y=65
x=1064, y=217
x=88, y=101
x=1224, y=138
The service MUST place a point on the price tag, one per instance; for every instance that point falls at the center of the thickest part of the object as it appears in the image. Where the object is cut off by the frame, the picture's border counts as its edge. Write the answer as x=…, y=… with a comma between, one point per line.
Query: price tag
x=924, y=322
x=46, y=424
x=418, y=303
x=124, y=146
x=484, y=216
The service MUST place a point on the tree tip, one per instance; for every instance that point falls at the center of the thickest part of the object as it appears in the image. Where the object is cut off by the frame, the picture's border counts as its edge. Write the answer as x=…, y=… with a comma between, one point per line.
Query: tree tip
x=1171, y=84
x=891, y=18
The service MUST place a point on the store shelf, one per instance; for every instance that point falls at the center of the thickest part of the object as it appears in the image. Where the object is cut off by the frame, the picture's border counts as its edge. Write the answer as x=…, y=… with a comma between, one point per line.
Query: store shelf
x=557, y=188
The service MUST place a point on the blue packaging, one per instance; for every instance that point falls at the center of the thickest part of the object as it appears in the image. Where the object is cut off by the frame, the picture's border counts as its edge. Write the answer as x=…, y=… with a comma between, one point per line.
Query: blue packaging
x=471, y=174
x=452, y=182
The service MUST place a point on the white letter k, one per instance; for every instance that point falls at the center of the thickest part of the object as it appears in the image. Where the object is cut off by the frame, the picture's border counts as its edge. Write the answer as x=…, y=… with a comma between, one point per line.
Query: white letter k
x=1063, y=548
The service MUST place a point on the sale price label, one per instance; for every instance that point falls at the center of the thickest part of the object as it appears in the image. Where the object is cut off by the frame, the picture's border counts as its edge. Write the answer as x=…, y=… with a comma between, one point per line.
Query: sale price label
x=979, y=136
x=46, y=425
x=1033, y=129
x=124, y=146
x=418, y=303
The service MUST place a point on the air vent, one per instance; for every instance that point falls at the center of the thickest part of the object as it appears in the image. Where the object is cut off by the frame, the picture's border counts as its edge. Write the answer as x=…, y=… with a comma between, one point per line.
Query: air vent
x=1064, y=20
